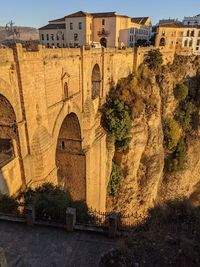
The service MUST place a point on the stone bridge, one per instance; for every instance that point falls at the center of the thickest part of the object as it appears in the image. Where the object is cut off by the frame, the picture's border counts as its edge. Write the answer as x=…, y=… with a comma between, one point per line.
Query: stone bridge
x=50, y=127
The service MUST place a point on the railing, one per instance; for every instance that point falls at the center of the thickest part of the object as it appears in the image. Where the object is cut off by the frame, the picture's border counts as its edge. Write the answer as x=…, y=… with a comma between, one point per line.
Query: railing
x=103, y=33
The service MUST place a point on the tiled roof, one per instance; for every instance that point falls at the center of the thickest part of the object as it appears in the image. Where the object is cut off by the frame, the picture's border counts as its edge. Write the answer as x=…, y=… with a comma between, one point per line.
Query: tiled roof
x=58, y=20
x=53, y=27
x=107, y=14
x=78, y=14
x=178, y=25
x=140, y=20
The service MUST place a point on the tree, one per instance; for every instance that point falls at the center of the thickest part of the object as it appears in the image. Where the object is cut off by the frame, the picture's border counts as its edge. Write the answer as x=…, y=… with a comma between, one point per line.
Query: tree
x=116, y=120
x=181, y=92
x=115, y=178
x=154, y=59
x=172, y=133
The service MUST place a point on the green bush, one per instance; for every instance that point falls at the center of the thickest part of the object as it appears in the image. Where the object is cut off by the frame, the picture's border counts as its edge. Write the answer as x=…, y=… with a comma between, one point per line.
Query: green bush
x=8, y=204
x=50, y=201
x=172, y=133
x=176, y=161
x=116, y=120
x=154, y=59
x=181, y=92
x=115, y=178
x=185, y=114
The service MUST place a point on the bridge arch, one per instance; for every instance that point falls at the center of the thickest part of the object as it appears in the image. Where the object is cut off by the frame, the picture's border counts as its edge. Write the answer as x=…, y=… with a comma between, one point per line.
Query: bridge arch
x=96, y=81
x=70, y=158
x=9, y=141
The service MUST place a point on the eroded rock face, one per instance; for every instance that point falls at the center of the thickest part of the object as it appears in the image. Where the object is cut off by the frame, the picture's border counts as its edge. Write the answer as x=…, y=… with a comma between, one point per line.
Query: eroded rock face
x=144, y=179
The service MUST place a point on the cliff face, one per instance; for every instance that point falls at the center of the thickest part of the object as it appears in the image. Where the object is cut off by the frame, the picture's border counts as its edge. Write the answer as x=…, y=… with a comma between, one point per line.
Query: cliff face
x=145, y=181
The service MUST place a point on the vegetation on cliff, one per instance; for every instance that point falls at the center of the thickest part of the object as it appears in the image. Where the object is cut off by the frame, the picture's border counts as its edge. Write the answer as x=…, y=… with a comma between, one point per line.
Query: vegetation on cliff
x=116, y=120
x=115, y=179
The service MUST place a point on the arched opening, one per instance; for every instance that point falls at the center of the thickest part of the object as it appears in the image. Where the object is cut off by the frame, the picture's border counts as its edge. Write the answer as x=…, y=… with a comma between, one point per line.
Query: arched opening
x=8, y=131
x=162, y=42
x=70, y=158
x=96, y=81
x=103, y=42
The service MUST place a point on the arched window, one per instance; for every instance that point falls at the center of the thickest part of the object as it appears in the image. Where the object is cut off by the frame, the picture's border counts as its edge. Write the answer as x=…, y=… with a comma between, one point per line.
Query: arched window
x=96, y=81
x=188, y=33
x=103, y=42
x=190, y=43
x=162, y=42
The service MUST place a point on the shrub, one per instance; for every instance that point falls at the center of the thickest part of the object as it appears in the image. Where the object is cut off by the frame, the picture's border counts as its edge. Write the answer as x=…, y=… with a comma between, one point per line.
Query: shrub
x=50, y=201
x=176, y=161
x=8, y=204
x=116, y=120
x=115, y=178
x=181, y=92
x=154, y=59
x=185, y=114
x=172, y=133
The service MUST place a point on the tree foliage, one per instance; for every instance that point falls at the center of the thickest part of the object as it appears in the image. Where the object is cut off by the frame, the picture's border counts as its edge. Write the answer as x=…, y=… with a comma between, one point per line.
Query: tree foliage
x=154, y=59
x=176, y=161
x=181, y=92
x=172, y=133
x=185, y=114
x=115, y=178
x=116, y=120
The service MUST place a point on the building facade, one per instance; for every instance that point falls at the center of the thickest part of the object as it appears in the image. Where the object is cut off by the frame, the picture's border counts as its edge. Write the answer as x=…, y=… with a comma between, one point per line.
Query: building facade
x=108, y=28
x=179, y=37
x=192, y=21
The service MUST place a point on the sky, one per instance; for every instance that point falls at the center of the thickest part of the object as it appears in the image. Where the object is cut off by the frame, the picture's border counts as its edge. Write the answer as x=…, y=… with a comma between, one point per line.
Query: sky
x=37, y=13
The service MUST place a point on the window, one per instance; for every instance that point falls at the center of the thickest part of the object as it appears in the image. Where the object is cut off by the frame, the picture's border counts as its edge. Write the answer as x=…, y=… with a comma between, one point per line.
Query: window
x=58, y=45
x=76, y=37
x=199, y=34
x=52, y=37
x=57, y=37
x=42, y=36
x=90, y=26
x=71, y=26
x=186, y=43
x=192, y=33
x=190, y=43
x=188, y=33
x=63, y=37
x=103, y=22
x=48, y=45
x=80, y=25
x=198, y=42
x=47, y=37
x=197, y=48
x=63, y=145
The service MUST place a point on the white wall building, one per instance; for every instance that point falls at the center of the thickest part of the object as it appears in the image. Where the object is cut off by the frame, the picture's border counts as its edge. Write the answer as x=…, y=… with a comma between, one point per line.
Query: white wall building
x=191, y=38
x=192, y=21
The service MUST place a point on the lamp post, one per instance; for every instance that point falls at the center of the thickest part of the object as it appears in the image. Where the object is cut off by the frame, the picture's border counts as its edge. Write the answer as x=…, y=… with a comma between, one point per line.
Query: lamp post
x=12, y=30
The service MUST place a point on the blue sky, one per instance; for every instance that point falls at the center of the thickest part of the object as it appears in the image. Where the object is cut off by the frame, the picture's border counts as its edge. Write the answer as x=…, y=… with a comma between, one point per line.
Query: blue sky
x=36, y=13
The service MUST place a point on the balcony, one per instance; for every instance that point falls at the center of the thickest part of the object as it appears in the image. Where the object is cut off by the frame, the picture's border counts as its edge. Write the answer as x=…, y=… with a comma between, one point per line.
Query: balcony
x=103, y=32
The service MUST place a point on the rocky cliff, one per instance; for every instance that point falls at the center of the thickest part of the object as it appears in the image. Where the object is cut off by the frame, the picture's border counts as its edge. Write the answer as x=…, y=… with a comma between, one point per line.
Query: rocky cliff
x=150, y=94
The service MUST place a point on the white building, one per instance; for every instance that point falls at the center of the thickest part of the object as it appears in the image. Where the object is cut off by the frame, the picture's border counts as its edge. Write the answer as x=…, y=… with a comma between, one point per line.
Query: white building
x=191, y=38
x=192, y=21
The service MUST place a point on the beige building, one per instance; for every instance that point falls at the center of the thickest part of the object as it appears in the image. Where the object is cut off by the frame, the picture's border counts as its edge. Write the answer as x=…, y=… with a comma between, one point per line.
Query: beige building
x=180, y=37
x=108, y=28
